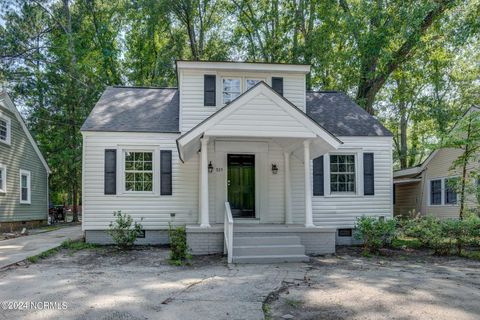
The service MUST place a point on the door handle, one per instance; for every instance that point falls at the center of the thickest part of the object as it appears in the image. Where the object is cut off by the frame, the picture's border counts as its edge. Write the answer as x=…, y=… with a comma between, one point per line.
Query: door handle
x=228, y=183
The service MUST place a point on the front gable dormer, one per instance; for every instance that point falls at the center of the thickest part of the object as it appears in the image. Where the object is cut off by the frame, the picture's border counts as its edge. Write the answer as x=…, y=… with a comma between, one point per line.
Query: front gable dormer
x=206, y=87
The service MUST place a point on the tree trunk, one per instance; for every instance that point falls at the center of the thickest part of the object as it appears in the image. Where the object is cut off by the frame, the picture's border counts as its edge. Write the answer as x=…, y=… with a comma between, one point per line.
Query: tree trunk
x=464, y=171
x=403, y=135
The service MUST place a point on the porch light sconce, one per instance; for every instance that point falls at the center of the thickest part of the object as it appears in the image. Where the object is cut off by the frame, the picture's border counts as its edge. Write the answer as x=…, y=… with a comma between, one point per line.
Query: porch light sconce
x=210, y=167
x=274, y=168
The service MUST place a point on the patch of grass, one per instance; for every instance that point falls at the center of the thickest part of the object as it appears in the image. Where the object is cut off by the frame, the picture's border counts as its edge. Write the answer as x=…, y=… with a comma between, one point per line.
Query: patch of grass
x=267, y=311
x=71, y=246
x=77, y=245
x=294, y=303
x=406, y=242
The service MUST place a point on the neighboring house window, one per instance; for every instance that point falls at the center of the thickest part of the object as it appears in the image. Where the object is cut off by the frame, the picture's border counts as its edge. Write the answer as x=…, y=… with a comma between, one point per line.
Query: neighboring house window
x=138, y=171
x=5, y=129
x=450, y=193
x=342, y=173
x=231, y=89
x=25, y=187
x=3, y=178
x=251, y=82
x=436, y=192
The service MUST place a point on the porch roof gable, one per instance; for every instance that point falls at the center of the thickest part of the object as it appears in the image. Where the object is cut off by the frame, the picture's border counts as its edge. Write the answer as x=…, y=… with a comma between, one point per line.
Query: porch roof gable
x=259, y=112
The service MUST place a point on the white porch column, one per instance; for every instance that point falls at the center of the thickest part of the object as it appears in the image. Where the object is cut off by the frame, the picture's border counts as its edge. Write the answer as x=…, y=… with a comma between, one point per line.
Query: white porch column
x=308, y=185
x=204, y=222
x=288, y=189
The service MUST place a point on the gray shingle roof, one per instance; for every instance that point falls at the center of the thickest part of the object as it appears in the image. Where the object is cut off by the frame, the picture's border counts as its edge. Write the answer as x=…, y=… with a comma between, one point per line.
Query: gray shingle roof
x=337, y=113
x=135, y=109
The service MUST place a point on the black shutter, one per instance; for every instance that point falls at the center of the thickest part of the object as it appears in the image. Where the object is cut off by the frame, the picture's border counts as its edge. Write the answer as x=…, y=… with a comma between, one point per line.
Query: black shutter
x=209, y=90
x=368, y=175
x=318, y=177
x=166, y=172
x=110, y=171
x=277, y=85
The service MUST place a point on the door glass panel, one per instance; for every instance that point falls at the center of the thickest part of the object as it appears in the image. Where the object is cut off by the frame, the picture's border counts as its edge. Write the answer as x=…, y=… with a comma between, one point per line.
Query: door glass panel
x=241, y=185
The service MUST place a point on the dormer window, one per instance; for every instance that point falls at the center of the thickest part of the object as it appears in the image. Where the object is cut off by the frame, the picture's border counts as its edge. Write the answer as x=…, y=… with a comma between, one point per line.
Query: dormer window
x=251, y=82
x=231, y=89
x=5, y=129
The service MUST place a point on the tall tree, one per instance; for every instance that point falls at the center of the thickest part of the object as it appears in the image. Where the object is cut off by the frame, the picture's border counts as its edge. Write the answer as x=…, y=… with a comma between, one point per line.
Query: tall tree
x=386, y=34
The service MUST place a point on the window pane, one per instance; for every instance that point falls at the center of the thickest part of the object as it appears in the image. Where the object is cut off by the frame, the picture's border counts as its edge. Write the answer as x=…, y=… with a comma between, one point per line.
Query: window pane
x=3, y=130
x=342, y=173
x=231, y=89
x=450, y=191
x=138, y=171
x=24, y=194
x=24, y=181
x=436, y=192
x=251, y=83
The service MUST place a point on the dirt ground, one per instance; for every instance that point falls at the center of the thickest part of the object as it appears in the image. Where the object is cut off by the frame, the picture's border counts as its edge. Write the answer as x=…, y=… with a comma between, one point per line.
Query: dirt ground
x=140, y=284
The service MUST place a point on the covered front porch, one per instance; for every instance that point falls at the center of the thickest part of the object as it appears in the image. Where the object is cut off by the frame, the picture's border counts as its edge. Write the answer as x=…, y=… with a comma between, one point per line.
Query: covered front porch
x=255, y=176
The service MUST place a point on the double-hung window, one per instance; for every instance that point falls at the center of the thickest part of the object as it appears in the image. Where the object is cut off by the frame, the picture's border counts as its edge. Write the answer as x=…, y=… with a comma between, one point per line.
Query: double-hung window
x=25, y=187
x=450, y=190
x=231, y=89
x=443, y=191
x=5, y=129
x=436, y=192
x=3, y=178
x=342, y=173
x=138, y=171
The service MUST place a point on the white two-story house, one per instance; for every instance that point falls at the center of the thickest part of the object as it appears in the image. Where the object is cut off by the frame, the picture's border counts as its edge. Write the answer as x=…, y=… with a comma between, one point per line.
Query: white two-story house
x=253, y=164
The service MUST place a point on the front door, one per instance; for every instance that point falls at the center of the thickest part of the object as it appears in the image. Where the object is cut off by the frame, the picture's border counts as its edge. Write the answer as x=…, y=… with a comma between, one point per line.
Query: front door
x=241, y=185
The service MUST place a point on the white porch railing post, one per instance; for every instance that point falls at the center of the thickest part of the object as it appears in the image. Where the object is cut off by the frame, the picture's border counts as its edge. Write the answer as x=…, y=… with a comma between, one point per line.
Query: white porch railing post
x=288, y=190
x=204, y=221
x=228, y=233
x=308, y=185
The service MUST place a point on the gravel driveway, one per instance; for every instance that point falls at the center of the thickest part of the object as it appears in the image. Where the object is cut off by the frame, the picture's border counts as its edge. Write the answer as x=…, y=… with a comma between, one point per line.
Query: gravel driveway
x=106, y=284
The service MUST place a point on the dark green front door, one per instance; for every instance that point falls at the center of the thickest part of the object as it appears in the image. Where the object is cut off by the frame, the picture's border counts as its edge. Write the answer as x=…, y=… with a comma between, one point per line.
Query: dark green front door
x=241, y=185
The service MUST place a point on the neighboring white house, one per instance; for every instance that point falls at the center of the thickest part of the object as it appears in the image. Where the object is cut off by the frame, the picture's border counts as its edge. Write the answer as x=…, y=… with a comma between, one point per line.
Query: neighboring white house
x=243, y=155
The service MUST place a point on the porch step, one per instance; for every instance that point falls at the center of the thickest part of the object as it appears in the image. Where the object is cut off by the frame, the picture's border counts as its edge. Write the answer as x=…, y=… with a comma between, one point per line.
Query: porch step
x=268, y=250
x=264, y=249
x=267, y=241
x=271, y=259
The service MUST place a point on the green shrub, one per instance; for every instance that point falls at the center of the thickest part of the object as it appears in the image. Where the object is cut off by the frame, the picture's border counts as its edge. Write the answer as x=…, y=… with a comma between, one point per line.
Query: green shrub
x=375, y=233
x=123, y=230
x=444, y=235
x=178, y=245
x=426, y=229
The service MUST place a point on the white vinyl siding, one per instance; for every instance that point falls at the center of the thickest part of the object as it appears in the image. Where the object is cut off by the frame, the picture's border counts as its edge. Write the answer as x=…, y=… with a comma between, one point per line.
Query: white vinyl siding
x=192, y=109
x=155, y=209
x=342, y=210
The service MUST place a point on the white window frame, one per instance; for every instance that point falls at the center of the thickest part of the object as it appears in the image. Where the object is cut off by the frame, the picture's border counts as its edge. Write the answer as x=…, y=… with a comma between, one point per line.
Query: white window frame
x=28, y=174
x=442, y=185
x=231, y=78
x=155, y=171
x=9, y=128
x=3, y=184
x=358, y=175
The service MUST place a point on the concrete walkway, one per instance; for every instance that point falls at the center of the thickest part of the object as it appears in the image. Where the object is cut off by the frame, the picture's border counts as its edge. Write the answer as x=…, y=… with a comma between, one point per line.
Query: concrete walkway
x=18, y=249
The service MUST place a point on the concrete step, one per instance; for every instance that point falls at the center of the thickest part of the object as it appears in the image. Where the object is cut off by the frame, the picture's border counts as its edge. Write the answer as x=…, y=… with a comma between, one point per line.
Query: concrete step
x=271, y=259
x=268, y=250
x=274, y=240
